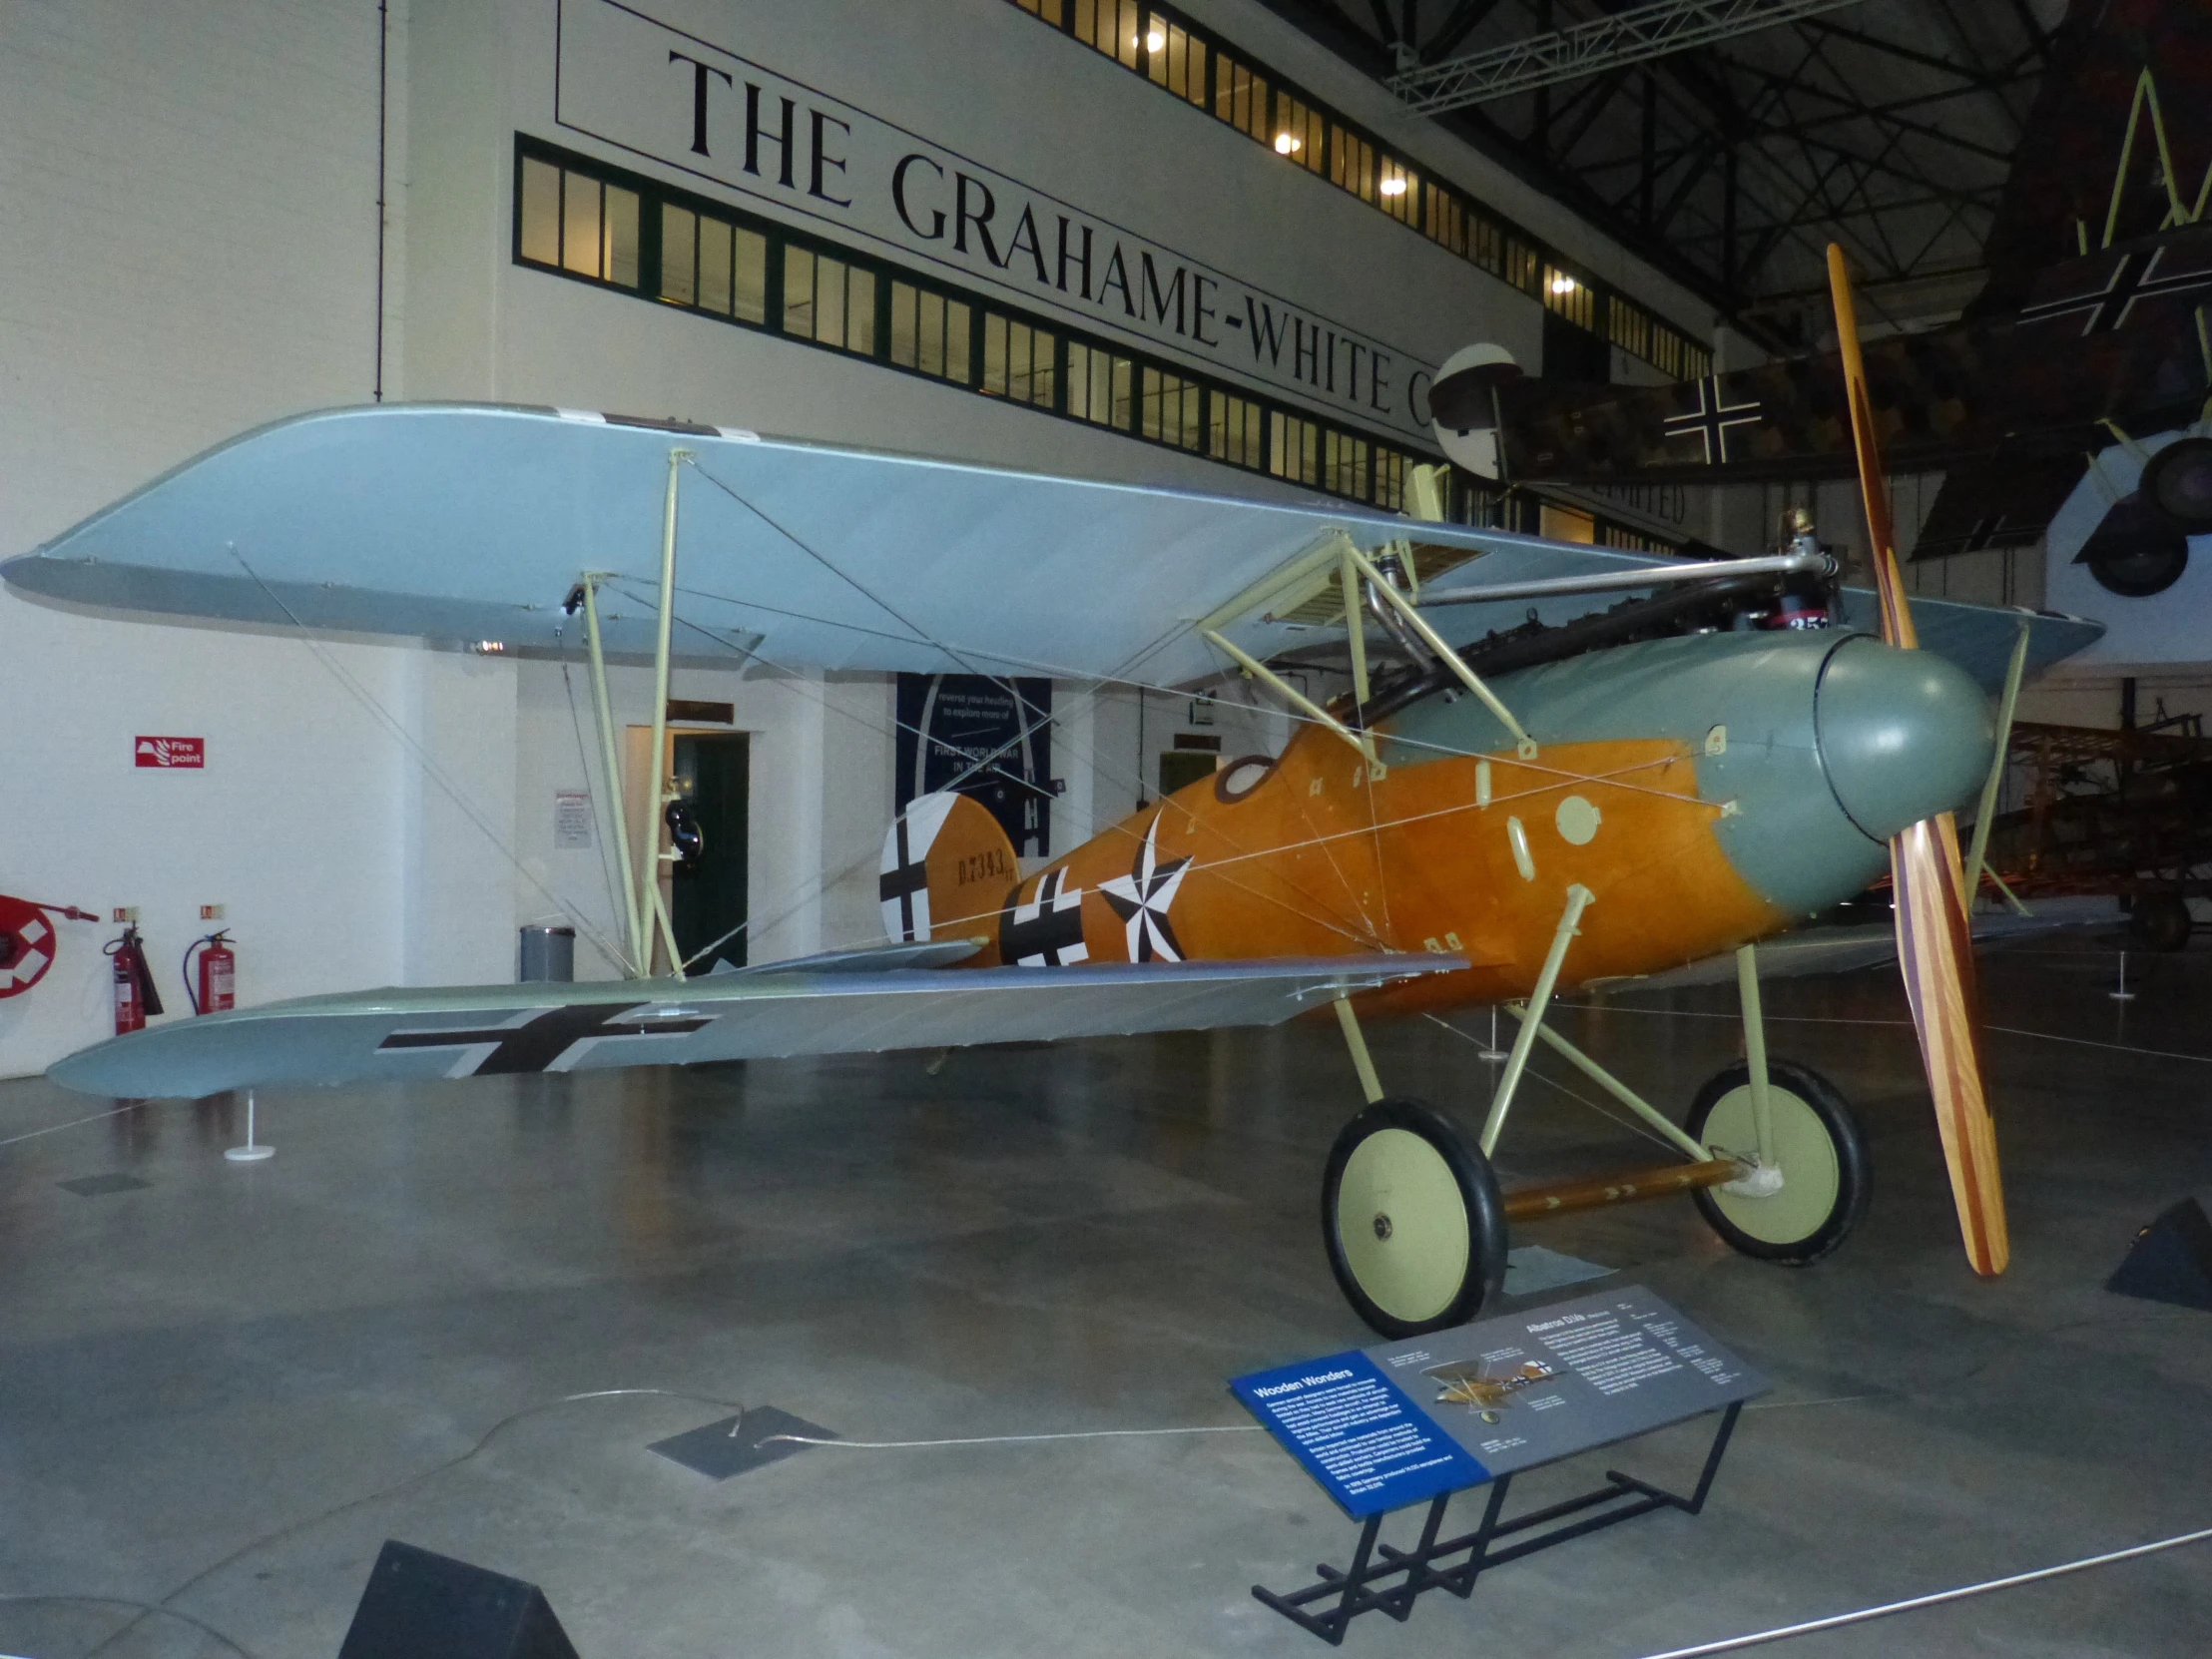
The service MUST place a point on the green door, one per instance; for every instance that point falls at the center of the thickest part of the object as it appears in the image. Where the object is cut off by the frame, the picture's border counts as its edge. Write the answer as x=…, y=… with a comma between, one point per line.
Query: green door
x=707, y=901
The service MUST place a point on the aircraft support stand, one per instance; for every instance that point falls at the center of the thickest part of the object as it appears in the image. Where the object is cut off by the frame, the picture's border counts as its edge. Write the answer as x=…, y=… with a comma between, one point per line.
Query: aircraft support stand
x=253, y=1152
x=1354, y=1588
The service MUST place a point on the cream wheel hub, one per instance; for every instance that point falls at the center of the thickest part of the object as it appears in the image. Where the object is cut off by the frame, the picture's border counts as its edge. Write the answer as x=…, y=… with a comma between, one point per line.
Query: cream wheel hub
x=1401, y=1221
x=1790, y=1196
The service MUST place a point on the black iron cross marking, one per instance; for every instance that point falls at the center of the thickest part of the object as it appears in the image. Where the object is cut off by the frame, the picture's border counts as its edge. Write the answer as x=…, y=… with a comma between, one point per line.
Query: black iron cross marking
x=542, y=1041
x=2136, y=278
x=1710, y=422
x=1047, y=931
x=901, y=884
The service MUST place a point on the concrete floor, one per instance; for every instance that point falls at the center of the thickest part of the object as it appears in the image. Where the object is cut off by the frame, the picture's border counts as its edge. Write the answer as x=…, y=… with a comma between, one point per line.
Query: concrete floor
x=223, y=1388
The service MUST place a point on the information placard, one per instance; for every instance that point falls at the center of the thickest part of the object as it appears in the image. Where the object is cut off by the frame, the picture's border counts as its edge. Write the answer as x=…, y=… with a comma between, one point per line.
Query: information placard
x=1385, y=1427
x=1357, y=1433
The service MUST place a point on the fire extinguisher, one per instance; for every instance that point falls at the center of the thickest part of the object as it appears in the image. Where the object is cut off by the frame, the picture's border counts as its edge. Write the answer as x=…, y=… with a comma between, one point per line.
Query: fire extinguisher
x=136, y=1000
x=217, y=978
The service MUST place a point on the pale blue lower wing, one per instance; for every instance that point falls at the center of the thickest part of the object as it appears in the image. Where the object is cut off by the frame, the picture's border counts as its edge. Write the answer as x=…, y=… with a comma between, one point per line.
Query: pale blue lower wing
x=487, y=1030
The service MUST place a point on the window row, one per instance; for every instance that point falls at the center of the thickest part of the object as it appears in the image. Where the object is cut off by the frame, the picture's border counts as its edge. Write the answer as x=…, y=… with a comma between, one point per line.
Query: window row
x=1205, y=72
x=580, y=218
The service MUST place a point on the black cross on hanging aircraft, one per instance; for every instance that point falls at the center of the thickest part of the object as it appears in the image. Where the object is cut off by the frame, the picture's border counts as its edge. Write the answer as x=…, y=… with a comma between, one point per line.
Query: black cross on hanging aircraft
x=2135, y=275
x=2070, y=340
x=543, y=1039
x=1711, y=421
x=2025, y=385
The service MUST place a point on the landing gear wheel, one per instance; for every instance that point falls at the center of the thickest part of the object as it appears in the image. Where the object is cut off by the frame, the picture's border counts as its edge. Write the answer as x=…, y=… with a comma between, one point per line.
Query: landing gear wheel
x=1413, y=1219
x=1826, y=1179
x=2161, y=922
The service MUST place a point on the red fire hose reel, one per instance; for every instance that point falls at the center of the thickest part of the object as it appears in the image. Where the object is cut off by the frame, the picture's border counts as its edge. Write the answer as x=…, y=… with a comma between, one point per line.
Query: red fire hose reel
x=27, y=941
x=27, y=946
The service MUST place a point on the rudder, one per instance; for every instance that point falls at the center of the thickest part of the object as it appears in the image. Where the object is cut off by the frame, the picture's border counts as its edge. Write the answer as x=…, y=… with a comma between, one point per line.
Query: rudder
x=946, y=870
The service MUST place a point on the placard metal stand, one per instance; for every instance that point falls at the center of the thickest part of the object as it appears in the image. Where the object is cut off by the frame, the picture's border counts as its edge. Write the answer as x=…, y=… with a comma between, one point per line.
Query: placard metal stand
x=1359, y=1588
x=1403, y=1426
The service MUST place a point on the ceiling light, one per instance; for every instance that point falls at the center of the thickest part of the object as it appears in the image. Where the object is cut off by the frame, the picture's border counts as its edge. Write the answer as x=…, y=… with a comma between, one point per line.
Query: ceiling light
x=1156, y=41
x=1563, y=284
x=1286, y=144
x=1394, y=186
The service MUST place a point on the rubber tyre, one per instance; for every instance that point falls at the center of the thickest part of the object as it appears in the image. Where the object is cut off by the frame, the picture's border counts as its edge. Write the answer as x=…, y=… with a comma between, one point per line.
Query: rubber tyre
x=1412, y=1218
x=2160, y=921
x=1817, y=1133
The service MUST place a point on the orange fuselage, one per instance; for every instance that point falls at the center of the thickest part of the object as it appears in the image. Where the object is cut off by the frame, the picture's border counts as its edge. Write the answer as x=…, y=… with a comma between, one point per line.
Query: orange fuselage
x=1321, y=854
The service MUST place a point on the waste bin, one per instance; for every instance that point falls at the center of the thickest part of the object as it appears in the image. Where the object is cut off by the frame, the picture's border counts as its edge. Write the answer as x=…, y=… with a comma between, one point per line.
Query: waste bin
x=548, y=953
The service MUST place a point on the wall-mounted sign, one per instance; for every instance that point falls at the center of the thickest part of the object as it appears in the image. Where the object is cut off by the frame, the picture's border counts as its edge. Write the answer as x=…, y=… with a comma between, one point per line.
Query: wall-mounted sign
x=572, y=818
x=695, y=105
x=170, y=752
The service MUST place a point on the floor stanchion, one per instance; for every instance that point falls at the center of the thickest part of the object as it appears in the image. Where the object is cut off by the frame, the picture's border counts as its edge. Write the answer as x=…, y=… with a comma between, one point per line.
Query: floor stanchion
x=251, y=1152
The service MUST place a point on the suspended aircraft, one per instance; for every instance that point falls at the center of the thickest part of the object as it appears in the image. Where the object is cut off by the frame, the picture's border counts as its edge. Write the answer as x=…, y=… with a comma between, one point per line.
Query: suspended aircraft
x=1528, y=783
x=2092, y=327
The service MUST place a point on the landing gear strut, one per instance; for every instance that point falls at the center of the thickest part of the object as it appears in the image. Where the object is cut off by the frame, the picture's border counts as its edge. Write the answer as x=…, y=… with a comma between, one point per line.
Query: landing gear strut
x=1415, y=1224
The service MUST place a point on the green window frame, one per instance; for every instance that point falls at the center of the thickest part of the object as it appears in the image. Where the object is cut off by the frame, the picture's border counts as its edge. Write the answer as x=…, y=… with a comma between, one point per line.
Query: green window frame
x=1201, y=69
x=586, y=220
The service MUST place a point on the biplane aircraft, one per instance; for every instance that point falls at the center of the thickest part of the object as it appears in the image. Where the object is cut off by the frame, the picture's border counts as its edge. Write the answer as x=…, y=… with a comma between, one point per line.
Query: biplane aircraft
x=2092, y=327
x=1493, y=810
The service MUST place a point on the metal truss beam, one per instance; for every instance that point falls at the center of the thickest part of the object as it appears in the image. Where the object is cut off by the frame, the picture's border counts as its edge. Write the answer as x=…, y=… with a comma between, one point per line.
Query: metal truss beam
x=1636, y=35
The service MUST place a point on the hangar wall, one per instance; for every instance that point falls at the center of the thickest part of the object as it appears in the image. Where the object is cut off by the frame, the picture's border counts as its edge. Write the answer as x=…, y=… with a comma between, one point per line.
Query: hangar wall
x=193, y=250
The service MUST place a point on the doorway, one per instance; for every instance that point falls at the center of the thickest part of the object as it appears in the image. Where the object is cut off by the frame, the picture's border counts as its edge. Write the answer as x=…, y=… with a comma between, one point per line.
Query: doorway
x=707, y=898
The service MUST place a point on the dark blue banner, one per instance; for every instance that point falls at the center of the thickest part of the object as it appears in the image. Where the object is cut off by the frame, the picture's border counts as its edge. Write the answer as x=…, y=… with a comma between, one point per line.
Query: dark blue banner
x=991, y=739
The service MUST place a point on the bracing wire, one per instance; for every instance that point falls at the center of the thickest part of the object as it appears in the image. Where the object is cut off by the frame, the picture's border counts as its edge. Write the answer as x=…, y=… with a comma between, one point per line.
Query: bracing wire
x=278, y=1535
x=825, y=880
x=1373, y=830
x=1597, y=1106
x=1836, y=1621
x=1365, y=933
x=430, y=768
x=1366, y=937
x=920, y=635
x=142, y=1609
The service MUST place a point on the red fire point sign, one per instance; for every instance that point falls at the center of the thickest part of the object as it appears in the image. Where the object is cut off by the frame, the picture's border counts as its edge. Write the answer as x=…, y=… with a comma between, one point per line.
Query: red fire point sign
x=171, y=752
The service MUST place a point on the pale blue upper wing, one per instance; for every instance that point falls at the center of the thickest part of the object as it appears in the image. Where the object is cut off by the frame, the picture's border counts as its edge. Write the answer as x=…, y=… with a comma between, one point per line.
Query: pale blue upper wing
x=471, y=523
x=473, y=1030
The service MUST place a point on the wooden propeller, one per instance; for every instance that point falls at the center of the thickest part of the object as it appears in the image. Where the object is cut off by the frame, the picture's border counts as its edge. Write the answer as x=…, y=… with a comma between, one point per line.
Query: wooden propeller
x=1935, y=936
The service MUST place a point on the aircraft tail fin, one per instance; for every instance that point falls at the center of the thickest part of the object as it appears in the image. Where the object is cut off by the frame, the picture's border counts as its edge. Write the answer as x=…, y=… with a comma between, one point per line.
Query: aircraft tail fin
x=947, y=871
